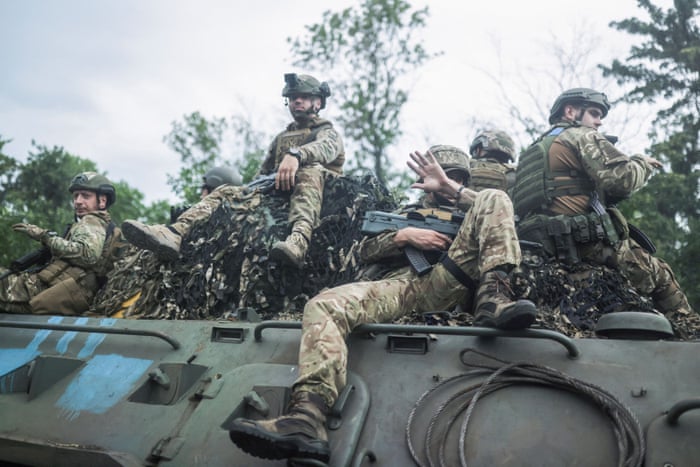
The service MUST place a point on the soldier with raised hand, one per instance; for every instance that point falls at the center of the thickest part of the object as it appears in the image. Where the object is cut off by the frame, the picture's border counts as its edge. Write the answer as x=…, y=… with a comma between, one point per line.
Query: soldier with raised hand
x=303, y=156
x=383, y=254
x=493, y=158
x=79, y=260
x=485, y=250
x=567, y=182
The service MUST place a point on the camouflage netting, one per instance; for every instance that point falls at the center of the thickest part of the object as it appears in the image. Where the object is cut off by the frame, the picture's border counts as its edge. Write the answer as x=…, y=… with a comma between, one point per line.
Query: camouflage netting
x=571, y=299
x=224, y=265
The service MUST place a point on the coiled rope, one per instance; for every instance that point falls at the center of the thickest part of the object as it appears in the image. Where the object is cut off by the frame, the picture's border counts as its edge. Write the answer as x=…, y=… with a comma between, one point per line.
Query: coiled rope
x=628, y=432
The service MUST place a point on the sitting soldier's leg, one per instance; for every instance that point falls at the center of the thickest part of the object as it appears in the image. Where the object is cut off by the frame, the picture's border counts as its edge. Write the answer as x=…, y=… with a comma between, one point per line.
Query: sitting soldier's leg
x=653, y=277
x=304, y=212
x=164, y=240
x=17, y=290
x=487, y=247
x=328, y=319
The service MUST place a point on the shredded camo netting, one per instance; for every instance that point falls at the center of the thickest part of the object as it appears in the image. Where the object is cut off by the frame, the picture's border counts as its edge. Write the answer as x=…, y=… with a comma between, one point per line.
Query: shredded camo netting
x=571, y=299
x=224, y=260
x=224, y=268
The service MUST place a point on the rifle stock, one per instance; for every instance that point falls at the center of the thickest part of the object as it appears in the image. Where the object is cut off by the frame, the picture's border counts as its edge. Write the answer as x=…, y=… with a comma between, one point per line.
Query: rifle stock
x=263, y=183
x=375, y=222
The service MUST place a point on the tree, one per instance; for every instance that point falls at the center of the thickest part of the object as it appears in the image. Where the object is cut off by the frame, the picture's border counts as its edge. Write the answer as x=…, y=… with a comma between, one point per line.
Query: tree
x=369, y=48
x=202, y=144
x=37, y=192
x=198, y=142
x=665, y=69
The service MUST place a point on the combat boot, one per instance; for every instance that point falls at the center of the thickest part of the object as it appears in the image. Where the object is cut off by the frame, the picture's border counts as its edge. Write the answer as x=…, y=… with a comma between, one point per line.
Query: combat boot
x=292, y=251
x=301, y=433
x=495, y=307
x=160, y=239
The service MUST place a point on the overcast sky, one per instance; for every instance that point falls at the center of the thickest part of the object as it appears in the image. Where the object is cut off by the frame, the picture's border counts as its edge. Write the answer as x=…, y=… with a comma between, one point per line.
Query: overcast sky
x=106, y=78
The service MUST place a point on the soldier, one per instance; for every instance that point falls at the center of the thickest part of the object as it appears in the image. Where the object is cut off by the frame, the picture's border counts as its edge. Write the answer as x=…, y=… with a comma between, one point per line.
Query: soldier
x=383, y=253
x=217, y=181
x=303, y=156
x=485, y=249
x=79, y=260
x=492, y=164
x=566, y=184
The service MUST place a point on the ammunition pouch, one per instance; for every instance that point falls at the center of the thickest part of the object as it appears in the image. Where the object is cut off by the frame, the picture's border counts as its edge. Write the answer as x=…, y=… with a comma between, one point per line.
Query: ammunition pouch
x=561, y=235
x=66, y=297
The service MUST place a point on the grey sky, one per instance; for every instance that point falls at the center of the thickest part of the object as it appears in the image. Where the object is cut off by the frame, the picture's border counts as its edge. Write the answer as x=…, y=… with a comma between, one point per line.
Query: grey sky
x=105, y=78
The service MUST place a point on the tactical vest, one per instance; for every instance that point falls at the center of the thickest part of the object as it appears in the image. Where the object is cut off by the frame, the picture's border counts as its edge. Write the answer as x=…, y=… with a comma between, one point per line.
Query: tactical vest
x=70, y=288
x=302, y=136
x=535, y=184
x=489, y=173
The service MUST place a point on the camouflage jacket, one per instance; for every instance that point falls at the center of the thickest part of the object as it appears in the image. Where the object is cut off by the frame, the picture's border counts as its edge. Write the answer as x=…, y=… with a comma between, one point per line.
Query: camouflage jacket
x=580, y=155
x=84, y=244
x=318, y=143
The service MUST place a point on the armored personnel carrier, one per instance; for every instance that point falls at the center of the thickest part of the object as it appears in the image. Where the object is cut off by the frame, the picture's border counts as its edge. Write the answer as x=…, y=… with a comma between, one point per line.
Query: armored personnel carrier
x=78, y=391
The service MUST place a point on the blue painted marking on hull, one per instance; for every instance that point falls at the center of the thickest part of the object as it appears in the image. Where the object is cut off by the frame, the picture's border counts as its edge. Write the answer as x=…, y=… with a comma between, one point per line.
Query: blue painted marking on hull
x=101, y=383
x=62, y=344
x=95, y=339
x=15, y=358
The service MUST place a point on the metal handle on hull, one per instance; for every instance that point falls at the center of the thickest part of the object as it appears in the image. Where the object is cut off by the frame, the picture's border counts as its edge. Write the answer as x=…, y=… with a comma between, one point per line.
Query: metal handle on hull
x=450, y=330
x=96, y=329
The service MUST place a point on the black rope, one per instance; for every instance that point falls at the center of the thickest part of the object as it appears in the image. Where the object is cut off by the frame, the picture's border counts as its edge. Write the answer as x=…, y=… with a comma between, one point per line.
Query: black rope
x=461, y=403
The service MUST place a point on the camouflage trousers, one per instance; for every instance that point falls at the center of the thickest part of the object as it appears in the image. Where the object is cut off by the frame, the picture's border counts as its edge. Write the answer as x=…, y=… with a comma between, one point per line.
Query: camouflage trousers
x=649, y=275
x=486, y=239
x=304, y=206
x=17, y=290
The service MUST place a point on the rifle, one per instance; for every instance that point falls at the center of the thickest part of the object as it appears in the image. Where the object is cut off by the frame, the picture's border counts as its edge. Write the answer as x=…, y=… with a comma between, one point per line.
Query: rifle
x=263, y=183
x=374, y=222
x=34, y=259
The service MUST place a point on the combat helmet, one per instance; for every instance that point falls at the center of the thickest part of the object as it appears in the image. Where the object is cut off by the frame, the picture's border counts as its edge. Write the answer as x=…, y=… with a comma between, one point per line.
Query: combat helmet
x=451, y=158
x=579, y=96
x=493, y=141
x=305, y=84
x=217, y=176
x=92, y=181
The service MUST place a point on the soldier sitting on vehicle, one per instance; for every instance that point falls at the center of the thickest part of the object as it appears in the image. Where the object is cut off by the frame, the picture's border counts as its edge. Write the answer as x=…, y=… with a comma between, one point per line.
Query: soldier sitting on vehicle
x=303, y=156
x=383, y=253
x=78, y=261
x=485, y=250
x=566, y=185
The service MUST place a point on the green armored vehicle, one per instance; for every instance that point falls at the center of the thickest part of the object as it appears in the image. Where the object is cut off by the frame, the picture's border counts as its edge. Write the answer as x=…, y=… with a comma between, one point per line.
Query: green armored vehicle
x=78, y=391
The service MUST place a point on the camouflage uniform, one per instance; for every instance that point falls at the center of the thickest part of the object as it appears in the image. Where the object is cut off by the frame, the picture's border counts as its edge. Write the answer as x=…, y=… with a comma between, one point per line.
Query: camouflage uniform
x=558, y=182
x=486, y=240
x=68, y=283
x=321, y=155
x=493, y=152
x=382, y=257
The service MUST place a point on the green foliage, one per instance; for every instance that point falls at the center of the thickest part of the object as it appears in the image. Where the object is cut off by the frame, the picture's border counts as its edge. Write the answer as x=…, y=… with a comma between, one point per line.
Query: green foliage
x=37, y=192
x=665, y=69
x=198, y=142
x=369, y=48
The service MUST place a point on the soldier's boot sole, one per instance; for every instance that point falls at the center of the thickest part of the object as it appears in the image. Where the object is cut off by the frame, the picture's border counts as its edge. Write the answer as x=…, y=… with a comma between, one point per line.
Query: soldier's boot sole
x=281, y=252
x=259, y=442
x=146, y=241
x=520, y=315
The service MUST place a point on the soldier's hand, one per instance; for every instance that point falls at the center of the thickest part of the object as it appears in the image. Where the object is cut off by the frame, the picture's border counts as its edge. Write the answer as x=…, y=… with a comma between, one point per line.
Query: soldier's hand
x=653, y=162
x=32, y=231
x=286, y=173
x=429, y=170
x=423, y=239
